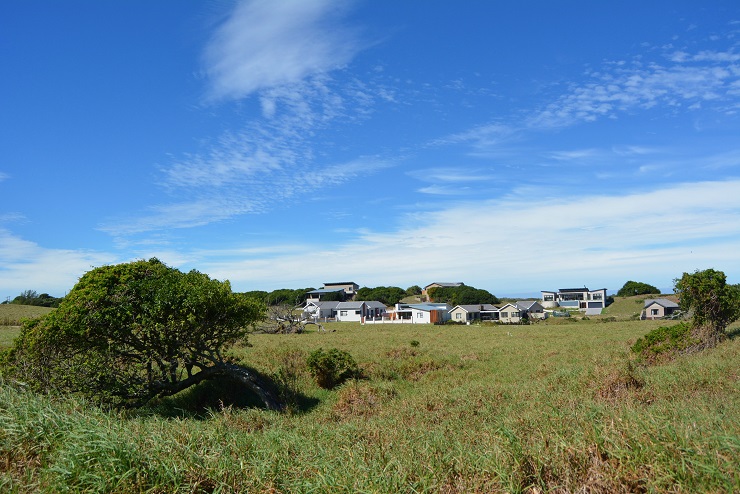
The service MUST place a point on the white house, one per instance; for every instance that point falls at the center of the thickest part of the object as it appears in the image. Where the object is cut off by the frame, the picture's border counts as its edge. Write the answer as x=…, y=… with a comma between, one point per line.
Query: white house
x=316, y=309
x=426, y=313
x=583, y=299
x=351, y=311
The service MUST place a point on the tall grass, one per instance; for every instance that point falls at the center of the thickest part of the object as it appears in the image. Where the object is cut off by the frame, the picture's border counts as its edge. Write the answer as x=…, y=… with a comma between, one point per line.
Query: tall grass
x=469, y=409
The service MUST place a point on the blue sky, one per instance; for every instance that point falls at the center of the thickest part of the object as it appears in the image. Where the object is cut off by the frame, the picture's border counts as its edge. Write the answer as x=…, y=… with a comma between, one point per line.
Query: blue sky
x=514, y=146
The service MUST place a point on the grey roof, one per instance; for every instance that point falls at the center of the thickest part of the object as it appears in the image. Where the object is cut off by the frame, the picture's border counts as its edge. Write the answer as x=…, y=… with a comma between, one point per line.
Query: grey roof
x=526, y=304
x=668, y=304
x=428, y=307
x=323, y=305
x=445, y=284
x=468, y=308
x=375, y=304
x=488, y=307
x=350, y=305
x=341, y=283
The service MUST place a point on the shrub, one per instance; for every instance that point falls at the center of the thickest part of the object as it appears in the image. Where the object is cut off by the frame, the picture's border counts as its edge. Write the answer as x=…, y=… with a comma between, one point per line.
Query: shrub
x=331, y=368
x=664, y=342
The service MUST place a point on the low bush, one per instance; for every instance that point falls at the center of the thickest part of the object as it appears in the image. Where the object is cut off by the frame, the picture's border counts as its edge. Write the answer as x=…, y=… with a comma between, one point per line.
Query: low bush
x=664, y=342
x=331, y=368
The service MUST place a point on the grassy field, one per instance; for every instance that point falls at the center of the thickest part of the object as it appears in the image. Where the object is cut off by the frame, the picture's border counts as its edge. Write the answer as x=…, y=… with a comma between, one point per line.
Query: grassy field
x=543, y=408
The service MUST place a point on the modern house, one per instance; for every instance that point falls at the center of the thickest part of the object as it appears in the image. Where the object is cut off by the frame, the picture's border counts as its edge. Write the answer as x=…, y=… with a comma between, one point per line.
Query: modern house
x=343, y=290
x=428, y=313
x=657, y=308
x=583, y=299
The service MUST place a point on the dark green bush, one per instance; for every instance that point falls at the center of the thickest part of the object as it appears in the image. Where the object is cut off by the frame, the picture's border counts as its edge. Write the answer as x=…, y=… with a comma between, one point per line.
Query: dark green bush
x=331, y=368
x=665, y=340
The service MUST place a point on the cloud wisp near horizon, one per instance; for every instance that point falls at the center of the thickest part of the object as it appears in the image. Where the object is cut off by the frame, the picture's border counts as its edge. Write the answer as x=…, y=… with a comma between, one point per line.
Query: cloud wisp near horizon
x=328, y=154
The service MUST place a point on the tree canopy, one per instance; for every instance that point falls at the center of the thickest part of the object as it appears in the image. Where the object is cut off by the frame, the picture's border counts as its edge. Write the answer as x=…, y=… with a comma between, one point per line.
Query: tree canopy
x=389, y=295
x=709, y=299
x=31, y=297
x=631, y=288
x=462, y=295
x=127, y=333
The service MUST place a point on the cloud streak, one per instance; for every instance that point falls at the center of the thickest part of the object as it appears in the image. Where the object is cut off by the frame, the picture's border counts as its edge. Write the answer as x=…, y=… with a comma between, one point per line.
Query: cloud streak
x=264, y=44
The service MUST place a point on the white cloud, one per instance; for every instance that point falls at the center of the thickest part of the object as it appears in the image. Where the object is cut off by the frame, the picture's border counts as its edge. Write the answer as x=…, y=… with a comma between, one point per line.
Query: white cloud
x=265, y=43
x=528, y=244
x=53, y=271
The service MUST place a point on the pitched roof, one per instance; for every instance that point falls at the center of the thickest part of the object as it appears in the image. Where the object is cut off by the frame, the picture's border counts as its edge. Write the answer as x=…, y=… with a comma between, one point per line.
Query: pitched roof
x=526, y=304
x=664, y=302
x=375, y=304
x=350, y=305
x=327, y=290
x=322, y=305
x=444, y=284
x=468, y=307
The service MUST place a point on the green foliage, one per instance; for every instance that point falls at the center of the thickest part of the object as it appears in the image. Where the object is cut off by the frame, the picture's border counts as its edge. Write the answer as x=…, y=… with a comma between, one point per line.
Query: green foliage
x=129, y=332
x=388, y=295
x=462, y=295
x=636, y=288
x=413, y=290
x=707, y=296
x=331, y=368
x=282, y=296
x=666, y=341
x=30, y=297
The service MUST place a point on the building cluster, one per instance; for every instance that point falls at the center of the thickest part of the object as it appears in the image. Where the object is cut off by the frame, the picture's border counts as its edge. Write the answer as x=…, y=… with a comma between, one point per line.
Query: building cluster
x=343, y=307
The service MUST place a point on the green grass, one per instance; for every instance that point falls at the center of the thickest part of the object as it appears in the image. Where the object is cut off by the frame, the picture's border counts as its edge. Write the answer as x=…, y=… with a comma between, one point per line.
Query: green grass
x=543, y=408
x=12, y=314
x=631, y=307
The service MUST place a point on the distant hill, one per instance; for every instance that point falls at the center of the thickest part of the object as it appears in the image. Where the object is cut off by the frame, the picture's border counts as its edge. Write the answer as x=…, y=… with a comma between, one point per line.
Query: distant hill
x=626, y=307
x=11, y=314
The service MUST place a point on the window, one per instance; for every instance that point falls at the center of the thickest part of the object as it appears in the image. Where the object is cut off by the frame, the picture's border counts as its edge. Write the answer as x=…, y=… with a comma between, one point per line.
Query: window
x=548, y=298
x=458, y=315
x=654, y=312
x=357, y=312
x=419, y=315
x=342, y=312
x=515, y=314
x=504, y=314
x=597, y=296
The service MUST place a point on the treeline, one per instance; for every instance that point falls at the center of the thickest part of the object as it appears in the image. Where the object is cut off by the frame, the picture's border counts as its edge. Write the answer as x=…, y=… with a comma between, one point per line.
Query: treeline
x=30, y=297
x=389, y=295
x=462, y=295
x=282, y=296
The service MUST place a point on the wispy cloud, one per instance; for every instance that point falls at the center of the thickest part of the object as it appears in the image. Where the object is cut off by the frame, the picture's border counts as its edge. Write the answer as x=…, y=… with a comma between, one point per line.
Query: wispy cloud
x=621, y=87
x=264, y=44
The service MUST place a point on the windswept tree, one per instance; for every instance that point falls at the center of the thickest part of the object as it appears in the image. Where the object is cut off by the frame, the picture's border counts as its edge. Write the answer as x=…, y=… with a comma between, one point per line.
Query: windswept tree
x=130, y=332
x=712, y=303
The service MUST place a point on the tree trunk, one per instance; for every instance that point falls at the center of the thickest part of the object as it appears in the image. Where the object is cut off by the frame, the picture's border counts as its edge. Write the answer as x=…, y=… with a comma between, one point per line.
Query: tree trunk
x=241, y=374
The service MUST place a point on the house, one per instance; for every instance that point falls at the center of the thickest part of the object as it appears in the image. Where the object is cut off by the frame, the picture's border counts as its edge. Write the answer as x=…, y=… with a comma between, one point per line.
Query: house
x=658, y=308
x=583, y=299
x=428, y=313
x=351, y=311
x=316, y=309
x=343, y=290
x=476, y=312
x=438, y=284
x=532, y=308
x=375, y=309
x=510, y=314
